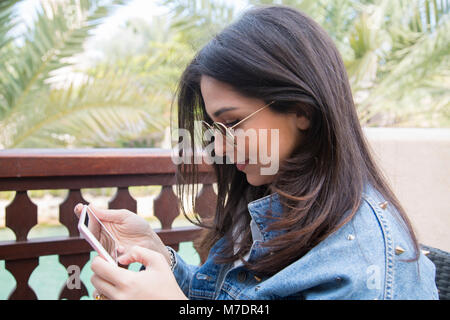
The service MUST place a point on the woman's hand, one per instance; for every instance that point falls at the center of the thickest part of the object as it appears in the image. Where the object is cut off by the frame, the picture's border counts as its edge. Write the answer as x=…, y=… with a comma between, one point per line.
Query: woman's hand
x=127, y=227
x=156, y=282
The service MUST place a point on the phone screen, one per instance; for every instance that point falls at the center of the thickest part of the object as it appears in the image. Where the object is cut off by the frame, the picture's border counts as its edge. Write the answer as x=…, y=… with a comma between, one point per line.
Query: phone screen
x=104, y=237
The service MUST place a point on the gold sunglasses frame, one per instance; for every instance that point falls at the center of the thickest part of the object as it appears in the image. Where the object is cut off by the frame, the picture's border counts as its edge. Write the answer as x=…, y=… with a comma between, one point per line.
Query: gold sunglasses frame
x=227, y=131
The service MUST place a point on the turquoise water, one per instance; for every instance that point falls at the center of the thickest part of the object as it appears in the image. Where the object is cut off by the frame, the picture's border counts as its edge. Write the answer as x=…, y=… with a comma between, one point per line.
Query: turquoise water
x=50, y=276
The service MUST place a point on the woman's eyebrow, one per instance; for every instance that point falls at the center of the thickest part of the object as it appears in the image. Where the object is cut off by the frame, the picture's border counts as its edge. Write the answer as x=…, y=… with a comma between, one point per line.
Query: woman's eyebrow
x=222, y=110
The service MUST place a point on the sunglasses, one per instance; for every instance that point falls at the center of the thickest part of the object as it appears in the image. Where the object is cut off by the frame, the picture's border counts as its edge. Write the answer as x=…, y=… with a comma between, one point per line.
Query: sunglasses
x=227, y=132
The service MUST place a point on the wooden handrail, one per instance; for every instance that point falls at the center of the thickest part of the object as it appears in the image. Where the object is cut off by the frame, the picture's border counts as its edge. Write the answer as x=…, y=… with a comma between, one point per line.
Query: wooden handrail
x=66, y=162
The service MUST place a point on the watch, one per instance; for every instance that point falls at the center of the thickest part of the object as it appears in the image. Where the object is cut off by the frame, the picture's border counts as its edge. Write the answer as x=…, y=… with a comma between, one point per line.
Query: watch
x=172, y=258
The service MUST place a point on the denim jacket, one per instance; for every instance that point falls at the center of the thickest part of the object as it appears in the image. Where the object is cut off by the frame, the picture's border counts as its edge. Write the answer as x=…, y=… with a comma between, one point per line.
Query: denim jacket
x=361, y=260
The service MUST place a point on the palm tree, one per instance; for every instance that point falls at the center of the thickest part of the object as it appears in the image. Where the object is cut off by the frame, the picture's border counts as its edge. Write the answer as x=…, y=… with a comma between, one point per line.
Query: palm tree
x=400, y=67
x=41, y=107
x=196, y=21
x=396, y=52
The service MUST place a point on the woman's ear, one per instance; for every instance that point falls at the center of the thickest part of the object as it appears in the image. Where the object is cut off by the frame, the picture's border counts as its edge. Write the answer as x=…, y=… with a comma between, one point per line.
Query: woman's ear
x=302, y=117
x=302, y=122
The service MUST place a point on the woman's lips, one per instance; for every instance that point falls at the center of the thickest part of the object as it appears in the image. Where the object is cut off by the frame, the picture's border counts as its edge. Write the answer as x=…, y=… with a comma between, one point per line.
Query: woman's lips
x=241, y=166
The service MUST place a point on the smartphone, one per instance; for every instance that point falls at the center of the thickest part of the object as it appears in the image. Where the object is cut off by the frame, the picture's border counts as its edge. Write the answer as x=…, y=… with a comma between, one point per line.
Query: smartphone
x=83, y=227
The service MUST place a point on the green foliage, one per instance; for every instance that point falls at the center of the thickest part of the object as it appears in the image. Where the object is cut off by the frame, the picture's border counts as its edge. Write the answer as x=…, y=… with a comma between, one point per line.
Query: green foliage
x=40, y=107
x=197, y=21
x=396, y=54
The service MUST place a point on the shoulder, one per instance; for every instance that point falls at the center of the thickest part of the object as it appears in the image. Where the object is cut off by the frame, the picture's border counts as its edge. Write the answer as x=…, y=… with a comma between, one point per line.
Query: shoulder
x=359, y=260
x=403, y=279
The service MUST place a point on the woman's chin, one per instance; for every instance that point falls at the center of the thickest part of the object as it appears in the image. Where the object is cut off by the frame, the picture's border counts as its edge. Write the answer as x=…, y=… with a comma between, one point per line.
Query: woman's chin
x=258, y=180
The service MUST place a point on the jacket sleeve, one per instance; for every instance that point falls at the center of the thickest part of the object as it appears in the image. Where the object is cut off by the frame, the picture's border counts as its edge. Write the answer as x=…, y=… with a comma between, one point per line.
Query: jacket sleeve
x=183, y=272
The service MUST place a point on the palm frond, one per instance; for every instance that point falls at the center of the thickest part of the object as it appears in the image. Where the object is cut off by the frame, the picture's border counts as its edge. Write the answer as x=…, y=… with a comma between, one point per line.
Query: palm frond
x=198, y=21
x=8, y=19
x=136, y=86
x=47, y=46
x=92, y=114
x=419, y=66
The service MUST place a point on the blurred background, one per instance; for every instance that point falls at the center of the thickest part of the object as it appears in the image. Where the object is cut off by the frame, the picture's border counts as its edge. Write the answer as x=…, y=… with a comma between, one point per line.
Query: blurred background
x=102, y=74
x=91, y=73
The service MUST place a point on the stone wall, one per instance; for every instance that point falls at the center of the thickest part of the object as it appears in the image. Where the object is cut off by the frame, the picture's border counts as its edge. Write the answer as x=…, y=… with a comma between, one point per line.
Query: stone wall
x=417, y=164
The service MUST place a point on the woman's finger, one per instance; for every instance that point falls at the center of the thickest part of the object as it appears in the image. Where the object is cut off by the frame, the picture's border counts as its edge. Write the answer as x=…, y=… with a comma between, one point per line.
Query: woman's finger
x=120, y=249
x=103, y=287
x=77, y=209
x=144, y=256
x=112, y=274
x=109, y=215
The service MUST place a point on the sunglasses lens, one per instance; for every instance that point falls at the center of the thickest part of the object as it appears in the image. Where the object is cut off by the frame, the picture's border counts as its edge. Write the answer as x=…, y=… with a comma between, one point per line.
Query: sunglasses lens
x=220, y=129
x=227, y=136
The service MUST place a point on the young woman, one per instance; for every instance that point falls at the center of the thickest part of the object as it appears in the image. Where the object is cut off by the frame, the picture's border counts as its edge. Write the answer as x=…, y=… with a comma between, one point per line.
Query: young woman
x=324, y=225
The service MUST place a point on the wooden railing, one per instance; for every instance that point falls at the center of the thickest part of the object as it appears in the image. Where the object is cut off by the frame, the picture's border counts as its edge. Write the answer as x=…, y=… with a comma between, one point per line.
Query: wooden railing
x=43, y=169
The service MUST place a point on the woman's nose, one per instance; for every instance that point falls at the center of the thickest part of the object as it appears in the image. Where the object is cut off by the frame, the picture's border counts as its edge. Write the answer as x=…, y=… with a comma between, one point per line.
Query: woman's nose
x=219, y=146
x=225, y=147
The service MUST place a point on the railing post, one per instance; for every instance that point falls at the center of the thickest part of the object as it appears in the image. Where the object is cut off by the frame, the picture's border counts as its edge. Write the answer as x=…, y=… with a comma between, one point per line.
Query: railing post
x=123, y=200
x=21, y=216
x=166, y=209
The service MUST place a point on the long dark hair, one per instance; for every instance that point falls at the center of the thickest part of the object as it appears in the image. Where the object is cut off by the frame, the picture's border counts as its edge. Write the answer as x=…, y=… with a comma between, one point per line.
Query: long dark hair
x=276, y=53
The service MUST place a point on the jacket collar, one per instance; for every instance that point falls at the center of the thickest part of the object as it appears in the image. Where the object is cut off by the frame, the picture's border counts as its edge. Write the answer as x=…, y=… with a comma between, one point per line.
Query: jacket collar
x=267, y=209
x=264, y=211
